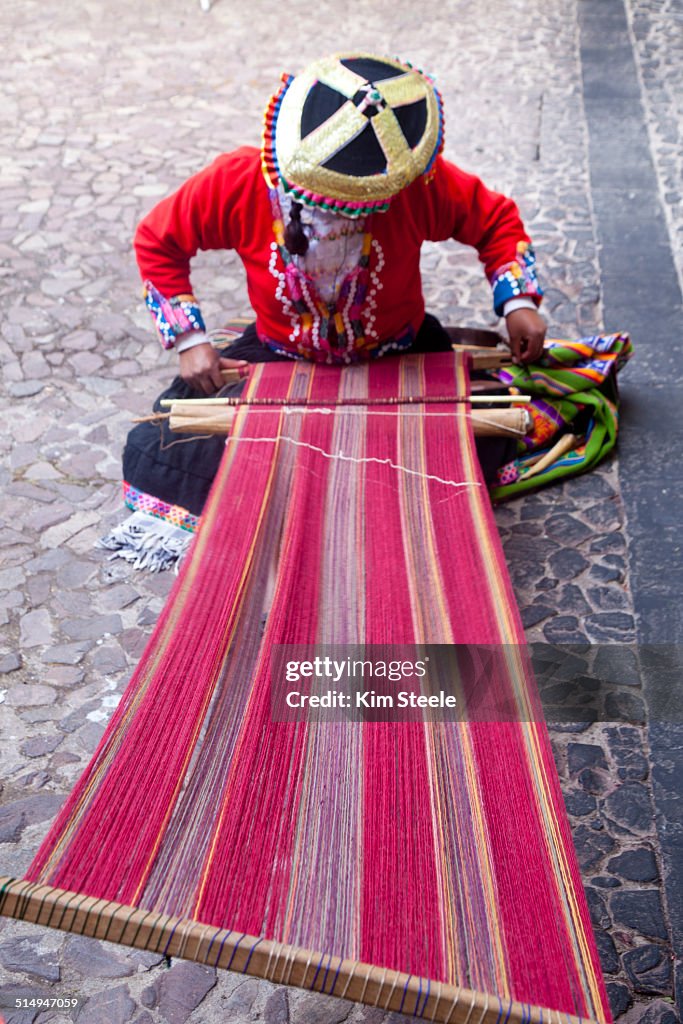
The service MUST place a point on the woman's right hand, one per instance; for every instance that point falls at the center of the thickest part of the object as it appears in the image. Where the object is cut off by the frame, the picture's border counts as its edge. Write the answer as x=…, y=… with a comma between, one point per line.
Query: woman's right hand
x=200, y=367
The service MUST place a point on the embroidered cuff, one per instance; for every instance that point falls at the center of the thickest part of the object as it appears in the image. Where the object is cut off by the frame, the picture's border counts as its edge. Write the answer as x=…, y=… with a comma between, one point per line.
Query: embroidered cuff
x=172, y=316
x=516, y=279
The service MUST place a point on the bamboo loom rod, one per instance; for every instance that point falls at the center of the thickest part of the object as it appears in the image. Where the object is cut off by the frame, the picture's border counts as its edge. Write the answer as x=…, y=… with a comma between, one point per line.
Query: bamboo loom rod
x=277, y=962
x=237, y=402
x=218, y=420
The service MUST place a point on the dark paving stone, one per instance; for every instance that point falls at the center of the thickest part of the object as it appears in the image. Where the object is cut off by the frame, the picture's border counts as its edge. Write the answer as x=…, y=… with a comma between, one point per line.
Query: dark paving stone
x=563, y=629
x=40, y=745
x=239, y=1005
x=148, y=997
x=607, y=951
x=579, y=803
x=649, y=969
x=635, y=767
x=605, y=882
x=276, y=1010
x=606, y=573
x=620, y=998
x=25, y=955
x=108, y=660
x=65, y=654
x=589, y=485
x=610, y=625
x=585, y=755
x=610, y=542
x=12, y=824
x=311, y=1009
x=624, y=707
x=10, y=663
x=567, y=563
x=557, y=724
x=570, y=529
x=182, y=988
x=617, y=663
x=595, y=780
x=30, y=810
x=659, y=1012
x=534, y=613
x=572, y=601
x=112, y=1006
x=94, y=960
x=640, y=910
x=591, y=847
x=597, y=907
x=630, y=805
x=93, y=627
x=607, y=598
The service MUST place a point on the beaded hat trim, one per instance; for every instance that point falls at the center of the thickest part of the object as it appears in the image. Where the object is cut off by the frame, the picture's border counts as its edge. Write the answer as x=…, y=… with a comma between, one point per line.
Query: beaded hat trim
x=351, y=131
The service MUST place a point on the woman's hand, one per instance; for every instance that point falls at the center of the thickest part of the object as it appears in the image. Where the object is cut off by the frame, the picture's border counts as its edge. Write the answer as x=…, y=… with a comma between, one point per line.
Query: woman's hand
x=526, y=329
x=200, y=367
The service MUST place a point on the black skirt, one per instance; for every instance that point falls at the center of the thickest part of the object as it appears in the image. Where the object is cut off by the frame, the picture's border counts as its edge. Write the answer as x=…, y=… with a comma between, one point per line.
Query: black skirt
x=182, y=474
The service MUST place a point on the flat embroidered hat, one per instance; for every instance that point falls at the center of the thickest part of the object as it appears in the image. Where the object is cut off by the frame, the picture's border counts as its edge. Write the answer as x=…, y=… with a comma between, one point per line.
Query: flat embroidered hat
x=351, y=131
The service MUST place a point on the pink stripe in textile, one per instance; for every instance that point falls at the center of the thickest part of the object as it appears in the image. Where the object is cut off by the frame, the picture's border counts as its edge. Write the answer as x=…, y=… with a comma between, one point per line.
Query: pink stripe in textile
x=399, y=873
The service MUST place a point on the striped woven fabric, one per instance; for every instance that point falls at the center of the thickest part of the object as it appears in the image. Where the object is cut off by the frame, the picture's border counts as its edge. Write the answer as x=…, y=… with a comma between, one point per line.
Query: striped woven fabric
x=425, y=866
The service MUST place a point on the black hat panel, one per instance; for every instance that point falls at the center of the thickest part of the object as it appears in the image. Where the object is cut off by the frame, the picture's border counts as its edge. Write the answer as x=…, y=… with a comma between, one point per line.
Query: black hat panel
x=361, y=156
x=370, y=69
x=320, y=104
x=413, y=121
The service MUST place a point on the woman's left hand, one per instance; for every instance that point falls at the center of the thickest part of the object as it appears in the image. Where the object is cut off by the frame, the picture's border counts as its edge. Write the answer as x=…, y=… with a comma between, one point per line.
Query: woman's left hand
x=526, y=329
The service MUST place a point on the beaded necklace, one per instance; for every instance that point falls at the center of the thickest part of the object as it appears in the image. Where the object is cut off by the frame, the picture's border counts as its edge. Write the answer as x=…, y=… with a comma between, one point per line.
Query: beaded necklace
x=321, y=330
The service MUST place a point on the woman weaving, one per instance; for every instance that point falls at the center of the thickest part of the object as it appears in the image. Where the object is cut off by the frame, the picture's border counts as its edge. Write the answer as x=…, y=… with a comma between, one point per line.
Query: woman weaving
x=328, y=220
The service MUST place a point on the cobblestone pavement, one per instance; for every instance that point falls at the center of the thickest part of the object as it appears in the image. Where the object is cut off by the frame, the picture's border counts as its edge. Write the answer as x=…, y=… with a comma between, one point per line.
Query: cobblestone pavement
x=106, y=108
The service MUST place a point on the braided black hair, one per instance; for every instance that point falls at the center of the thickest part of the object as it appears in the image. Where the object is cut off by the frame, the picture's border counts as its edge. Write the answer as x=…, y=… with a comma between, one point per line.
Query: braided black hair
x=295, y=236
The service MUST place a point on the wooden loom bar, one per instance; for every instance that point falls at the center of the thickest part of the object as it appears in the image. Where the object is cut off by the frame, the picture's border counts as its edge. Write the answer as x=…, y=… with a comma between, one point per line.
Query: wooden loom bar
x=277, y=962
x=188, y=419
x=482, y=359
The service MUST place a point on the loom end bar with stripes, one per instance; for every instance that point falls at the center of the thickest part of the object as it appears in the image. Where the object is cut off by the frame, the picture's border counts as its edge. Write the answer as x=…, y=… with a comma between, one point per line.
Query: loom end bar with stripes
x=276, y=962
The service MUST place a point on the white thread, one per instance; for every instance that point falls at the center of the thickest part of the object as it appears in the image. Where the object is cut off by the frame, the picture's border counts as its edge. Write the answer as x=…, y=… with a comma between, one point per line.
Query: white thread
x=361, y=998
x=454, y=1005
x=291, y=956
x=350, y=978
x=350, y=458
x=381, y=987
x=485, y=1011
x=391, y=992
x=437, y=1002
x=471, y=1009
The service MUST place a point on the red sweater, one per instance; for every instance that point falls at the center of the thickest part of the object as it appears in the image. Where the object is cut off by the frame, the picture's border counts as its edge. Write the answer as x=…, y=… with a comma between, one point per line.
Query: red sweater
x=229, y=206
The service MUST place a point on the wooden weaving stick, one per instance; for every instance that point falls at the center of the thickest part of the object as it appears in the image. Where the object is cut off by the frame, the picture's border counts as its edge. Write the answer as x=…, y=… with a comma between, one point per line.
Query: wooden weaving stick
x=277, y=962
x=185, y=418
x=482, y=359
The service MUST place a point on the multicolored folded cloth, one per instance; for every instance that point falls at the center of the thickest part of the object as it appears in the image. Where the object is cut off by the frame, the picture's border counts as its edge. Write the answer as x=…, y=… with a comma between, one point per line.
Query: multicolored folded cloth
x=574, y=411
